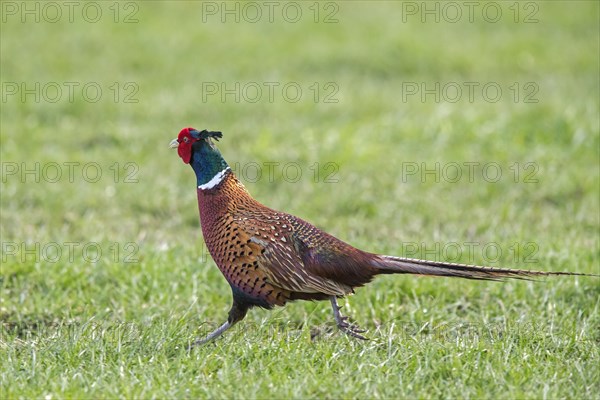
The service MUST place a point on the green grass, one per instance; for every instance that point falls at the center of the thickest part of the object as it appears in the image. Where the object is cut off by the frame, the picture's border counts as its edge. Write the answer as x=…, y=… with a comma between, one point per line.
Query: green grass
x=118, y=327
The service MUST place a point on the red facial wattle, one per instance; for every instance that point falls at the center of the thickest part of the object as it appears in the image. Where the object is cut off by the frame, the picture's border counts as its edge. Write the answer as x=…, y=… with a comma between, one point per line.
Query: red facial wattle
x=184, y=149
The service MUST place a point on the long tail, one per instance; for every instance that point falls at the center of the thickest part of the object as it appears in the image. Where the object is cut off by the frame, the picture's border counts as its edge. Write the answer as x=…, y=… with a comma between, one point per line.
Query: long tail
x=399, y=265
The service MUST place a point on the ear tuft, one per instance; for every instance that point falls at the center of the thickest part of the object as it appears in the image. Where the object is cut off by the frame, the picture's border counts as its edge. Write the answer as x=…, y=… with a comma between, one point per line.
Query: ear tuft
x=210, y=134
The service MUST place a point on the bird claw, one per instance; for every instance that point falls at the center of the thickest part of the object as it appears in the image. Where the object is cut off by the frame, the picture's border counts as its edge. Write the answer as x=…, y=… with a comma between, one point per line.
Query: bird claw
x=345, y=324
x=342, y=322
x=352, y=329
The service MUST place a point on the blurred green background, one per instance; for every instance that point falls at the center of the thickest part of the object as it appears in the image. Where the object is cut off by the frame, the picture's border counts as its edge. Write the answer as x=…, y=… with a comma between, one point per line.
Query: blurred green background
x=377, y=97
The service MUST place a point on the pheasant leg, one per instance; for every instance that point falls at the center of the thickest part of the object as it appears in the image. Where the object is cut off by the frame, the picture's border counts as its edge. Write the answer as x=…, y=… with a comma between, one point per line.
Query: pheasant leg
x=342, y=322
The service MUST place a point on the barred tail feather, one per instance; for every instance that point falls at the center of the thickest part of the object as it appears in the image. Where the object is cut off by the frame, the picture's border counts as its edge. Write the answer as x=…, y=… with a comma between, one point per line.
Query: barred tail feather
x=400, y=265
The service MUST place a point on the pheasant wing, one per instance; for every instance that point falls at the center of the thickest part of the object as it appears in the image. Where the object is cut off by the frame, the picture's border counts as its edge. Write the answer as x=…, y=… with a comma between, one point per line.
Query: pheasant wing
x=299, y=257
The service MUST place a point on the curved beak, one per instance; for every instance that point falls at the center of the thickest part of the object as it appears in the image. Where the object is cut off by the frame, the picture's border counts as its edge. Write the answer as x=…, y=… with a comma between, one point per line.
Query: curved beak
x=174, y=143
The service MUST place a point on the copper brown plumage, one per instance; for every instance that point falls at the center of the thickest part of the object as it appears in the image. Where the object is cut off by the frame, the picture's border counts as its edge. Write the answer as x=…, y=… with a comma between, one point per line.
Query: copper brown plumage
x=270, y=257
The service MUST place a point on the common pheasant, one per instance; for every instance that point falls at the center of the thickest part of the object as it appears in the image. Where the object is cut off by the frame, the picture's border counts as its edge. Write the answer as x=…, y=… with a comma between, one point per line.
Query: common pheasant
x=270, y=257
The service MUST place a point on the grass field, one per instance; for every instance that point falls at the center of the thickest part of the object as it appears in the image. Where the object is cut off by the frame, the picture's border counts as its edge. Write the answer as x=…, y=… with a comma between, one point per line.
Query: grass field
x=356, y=116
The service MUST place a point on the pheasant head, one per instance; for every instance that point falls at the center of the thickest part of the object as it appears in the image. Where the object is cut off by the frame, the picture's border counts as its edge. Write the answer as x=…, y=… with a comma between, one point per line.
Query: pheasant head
x=197, y=149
